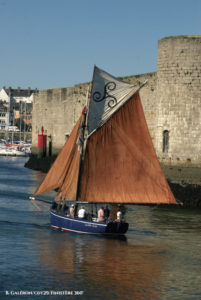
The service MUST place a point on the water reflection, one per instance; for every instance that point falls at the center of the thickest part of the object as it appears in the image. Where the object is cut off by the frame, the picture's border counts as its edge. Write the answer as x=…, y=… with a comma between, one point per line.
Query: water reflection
x=116, y=266
x=160, y=259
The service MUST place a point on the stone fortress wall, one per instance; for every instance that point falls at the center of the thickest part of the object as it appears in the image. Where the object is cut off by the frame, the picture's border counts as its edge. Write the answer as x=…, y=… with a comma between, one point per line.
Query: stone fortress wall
x=57, y=110
x=171, y=102
x=179, y=99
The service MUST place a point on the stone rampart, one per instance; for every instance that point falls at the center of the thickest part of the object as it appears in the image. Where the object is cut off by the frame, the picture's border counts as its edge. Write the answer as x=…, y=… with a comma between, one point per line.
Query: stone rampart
x=179, y=100
x=171, y=102
x=57, y=110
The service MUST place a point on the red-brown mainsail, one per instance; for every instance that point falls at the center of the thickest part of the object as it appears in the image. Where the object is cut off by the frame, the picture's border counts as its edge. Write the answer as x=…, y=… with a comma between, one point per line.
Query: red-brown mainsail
x=121, y=165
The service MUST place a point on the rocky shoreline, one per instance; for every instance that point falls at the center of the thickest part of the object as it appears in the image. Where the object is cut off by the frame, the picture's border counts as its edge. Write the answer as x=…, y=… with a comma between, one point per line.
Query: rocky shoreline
x=42, y=164
x=184, y=181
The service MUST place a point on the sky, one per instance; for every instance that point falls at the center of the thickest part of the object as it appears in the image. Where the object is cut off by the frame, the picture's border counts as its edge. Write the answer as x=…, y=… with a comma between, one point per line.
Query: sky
x=56, y=43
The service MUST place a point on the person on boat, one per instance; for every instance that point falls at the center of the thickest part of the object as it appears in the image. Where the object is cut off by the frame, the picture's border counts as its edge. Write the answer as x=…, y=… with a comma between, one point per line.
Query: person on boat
x=63, y=208
x=82, y=213
x=54, y=205
x=101, y=215
x=119, y=216
x=106, y=212
x=59, y=207
x=72, y=211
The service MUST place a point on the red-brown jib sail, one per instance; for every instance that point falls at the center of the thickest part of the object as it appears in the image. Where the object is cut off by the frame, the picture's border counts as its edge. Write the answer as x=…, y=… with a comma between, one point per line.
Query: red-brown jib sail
x=64, y=172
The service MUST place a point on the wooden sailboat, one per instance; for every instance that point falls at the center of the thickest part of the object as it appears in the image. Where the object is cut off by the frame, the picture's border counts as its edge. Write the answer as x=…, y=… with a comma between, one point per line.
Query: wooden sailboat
x=108, y=158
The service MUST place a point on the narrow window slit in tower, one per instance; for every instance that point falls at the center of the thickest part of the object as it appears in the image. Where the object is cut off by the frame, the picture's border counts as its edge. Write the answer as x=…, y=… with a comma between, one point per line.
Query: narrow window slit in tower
x=165, y=141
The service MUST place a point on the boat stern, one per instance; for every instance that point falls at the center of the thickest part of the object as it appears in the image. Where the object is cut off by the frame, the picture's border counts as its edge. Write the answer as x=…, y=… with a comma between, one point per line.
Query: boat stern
x=116, y=228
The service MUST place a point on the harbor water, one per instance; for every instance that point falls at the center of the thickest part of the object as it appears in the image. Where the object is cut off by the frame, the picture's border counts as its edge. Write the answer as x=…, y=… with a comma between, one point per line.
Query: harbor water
x=159, y=258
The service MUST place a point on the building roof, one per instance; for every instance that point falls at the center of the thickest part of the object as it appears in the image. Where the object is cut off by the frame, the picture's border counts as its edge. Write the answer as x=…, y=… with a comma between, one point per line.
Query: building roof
x=20, y=92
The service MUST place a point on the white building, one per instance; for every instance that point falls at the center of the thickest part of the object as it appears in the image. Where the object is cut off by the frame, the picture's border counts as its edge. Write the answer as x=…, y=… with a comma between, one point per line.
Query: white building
x=15, y=103
x=4, y=109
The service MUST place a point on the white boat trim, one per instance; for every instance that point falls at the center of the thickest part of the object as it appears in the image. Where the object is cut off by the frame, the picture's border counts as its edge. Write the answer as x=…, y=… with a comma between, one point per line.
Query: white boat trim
x=70, y=230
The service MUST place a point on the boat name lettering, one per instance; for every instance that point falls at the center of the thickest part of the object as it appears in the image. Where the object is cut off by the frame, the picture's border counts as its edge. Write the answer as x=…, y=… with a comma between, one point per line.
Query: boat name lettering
x=91, y=225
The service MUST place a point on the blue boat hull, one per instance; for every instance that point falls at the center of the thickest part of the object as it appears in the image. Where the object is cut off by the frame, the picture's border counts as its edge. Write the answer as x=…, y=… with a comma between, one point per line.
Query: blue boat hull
x=66, y=223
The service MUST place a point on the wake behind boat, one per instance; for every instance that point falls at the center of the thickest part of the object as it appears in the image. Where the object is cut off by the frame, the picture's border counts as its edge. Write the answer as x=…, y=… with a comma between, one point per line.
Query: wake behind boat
x=108, y=158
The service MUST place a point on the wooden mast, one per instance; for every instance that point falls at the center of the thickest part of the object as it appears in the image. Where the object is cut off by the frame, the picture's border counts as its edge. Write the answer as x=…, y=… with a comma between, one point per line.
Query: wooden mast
x=85, y=134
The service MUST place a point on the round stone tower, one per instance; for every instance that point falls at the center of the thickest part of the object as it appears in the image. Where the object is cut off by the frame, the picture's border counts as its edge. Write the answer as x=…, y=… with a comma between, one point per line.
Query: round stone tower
x=178, y=134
